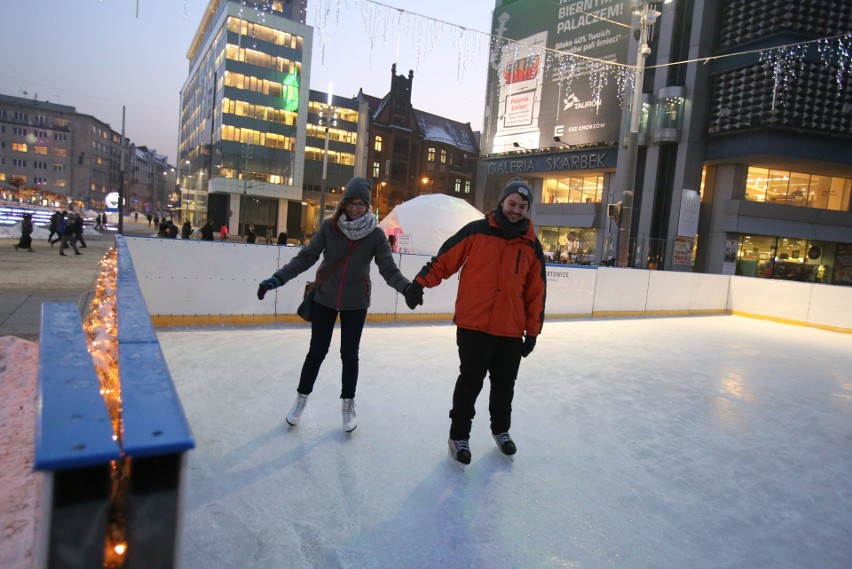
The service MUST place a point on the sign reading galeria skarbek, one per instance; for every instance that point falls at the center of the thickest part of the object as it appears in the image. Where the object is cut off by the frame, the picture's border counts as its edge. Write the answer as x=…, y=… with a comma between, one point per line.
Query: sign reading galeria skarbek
x=536, y=94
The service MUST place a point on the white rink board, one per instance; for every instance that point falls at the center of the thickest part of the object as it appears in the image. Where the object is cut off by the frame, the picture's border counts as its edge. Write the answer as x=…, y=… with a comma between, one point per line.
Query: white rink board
x=570, y=291
x=770, y=298
x=670, y=291
x=620, y=290
x=195, y=278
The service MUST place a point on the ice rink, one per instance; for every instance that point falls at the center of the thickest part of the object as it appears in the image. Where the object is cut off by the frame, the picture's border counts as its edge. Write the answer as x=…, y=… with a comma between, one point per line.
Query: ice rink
x=702, y=442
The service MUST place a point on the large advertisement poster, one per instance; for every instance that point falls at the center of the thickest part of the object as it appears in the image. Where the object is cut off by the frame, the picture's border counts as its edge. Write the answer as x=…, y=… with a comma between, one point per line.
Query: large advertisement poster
x=537, y=91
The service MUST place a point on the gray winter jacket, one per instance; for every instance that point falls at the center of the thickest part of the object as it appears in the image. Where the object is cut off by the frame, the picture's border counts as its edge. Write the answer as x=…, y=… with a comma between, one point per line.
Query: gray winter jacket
x=349, y=287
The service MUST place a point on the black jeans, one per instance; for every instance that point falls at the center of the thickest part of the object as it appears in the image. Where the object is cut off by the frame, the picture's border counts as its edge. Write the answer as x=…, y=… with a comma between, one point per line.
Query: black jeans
x=481, y=353
x=322, y=326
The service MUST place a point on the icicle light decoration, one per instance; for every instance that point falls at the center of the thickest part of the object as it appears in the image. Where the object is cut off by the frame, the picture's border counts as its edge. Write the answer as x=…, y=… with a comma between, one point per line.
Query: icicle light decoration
x=100, y=326
x=836, y=52
x=782, y=64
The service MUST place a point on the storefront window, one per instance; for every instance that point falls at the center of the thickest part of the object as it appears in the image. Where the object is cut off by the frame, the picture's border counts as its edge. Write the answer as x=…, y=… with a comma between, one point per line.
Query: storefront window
x=785, y=258
x=577, y=189
x=798, y=189
x=568, y=245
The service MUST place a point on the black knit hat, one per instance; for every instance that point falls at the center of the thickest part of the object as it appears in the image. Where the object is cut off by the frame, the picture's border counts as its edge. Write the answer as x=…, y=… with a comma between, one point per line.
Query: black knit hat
x=517, y=186
x=358, y=189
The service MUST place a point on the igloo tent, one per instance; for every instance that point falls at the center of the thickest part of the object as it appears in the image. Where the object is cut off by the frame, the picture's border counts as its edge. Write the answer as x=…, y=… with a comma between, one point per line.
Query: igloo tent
x=423, y=224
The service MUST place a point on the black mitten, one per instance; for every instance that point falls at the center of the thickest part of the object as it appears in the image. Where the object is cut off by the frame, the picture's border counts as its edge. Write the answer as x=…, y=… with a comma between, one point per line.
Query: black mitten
x=413, y=295
x=529, y=344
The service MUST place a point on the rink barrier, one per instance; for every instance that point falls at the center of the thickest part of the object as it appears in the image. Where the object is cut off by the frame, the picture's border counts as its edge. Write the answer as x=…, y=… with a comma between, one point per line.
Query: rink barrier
x=75, y=446
x=192, y=283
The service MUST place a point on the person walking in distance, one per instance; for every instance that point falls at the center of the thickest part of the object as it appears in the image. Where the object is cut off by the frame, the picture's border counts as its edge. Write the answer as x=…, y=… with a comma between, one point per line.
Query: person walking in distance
x=499, y=310
x=53, y=227
x=77, y=221
x=251, y=236
x=67, y=226
x=207, y=231
x=348, y=242
x=26, y=241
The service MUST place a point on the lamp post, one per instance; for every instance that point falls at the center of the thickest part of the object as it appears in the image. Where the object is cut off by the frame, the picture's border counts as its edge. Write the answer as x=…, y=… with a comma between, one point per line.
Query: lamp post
x=647, y=16
x=327, y=122
x=428, y=180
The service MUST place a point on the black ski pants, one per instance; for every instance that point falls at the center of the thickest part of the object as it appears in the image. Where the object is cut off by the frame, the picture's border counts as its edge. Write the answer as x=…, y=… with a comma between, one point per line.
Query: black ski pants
x=500, y=358
x=322, y=326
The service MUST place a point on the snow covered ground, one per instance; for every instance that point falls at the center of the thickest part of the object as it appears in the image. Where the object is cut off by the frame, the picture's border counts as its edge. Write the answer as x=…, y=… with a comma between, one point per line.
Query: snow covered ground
x=717, y=442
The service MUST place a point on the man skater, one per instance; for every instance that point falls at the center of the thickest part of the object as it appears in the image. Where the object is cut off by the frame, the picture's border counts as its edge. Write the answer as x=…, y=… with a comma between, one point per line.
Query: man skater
x=499, y=310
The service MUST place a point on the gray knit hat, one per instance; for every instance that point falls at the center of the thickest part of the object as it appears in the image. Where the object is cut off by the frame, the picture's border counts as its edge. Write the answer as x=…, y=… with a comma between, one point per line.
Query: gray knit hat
x=517, y=186
x=358, y=189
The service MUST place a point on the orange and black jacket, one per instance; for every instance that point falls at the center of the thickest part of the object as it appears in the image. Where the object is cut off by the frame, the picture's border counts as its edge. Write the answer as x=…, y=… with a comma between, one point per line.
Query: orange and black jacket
x=503, y=284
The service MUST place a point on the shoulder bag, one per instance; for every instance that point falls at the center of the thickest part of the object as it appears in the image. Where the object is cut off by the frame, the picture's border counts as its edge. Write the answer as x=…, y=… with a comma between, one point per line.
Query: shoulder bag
x=306, y=308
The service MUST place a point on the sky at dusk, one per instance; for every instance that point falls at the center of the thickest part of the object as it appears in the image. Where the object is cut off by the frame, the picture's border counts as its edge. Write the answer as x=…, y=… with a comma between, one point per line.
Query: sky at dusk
x=99, y=55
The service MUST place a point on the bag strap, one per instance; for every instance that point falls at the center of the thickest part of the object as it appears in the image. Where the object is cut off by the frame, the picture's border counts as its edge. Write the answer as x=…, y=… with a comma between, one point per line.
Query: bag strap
x=321, y=279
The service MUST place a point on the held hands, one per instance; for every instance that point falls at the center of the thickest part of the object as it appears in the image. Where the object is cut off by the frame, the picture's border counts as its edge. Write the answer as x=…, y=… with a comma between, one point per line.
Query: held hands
x=266, y=285
x=529, y=344
x=413, y=295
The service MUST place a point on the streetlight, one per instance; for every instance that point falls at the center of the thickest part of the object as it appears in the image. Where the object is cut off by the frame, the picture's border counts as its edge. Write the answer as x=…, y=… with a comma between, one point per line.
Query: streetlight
x=430, y=181
x=379, y=188
x=328, y=122
x=647, y=18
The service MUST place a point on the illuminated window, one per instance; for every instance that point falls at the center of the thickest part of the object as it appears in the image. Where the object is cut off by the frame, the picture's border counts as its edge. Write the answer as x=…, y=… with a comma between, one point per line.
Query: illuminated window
x=457, y=185
x=377, y=169
x=467, y=186
x=443, y=156
x=40, y=149
x=576, y=189
x=17, y=146
x=797, y=189
x=377, y=144
x=430, y=154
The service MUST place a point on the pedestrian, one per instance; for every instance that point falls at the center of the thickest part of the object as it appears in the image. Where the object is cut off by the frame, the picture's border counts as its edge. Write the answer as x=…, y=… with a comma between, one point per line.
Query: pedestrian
x=348, y=241
x=103, y=220
x=171, y=230
x=223, y=232
x=251, y=236
x=67, y=236
x=136, y=216
x=270, y=234
x=186, y=230
x=499, y=310
x=149, y=217
x=157, y=221
x=98, y=222
x=59, y=229
x=282, y=238
x=207, y=231
x=54, y=219
x=392, y=242
x=77, y=222
x=26, y=241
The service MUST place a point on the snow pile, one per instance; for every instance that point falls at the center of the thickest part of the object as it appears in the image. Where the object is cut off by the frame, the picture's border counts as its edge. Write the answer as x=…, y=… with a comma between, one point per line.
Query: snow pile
x=20, y=487
x=429, y=220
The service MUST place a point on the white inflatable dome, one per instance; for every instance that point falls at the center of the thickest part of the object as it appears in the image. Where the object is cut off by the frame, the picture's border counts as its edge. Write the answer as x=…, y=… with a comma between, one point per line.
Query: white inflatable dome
x=428, y=221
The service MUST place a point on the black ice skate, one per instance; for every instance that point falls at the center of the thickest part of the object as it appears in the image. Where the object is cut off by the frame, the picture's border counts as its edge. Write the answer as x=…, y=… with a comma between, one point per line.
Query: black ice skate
x=505, y=444
x=460, y=450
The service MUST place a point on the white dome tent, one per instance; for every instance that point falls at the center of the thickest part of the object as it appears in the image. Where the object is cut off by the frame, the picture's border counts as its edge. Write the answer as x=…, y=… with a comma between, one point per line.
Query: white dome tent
x=422, y=224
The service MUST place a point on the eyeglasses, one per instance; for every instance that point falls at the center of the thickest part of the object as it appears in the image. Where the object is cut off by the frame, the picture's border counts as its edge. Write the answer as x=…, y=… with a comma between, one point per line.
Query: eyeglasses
x=358, y=204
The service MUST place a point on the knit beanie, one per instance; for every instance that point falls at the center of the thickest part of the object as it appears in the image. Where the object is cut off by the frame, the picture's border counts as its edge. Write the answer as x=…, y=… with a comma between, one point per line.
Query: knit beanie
x=517, y=186
x=358, y=189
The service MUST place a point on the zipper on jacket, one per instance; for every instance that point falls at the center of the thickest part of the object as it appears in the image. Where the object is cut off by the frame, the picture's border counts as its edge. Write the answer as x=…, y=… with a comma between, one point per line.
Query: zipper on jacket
x=343, y=274
x=518, y=261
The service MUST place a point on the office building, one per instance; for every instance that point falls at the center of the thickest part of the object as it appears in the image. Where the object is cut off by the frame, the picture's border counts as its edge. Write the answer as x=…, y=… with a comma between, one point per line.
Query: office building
x=243, y=116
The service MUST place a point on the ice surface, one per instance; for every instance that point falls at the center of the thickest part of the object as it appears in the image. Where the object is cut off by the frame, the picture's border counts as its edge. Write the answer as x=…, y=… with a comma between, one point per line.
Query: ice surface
x=715, y=442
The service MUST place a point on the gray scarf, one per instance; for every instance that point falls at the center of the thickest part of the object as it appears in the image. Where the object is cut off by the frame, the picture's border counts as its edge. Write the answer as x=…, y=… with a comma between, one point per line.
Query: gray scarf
x=356, y=229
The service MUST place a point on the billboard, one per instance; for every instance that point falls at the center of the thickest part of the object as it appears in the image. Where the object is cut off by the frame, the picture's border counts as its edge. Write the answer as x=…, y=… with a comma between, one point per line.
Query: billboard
x=538, y=89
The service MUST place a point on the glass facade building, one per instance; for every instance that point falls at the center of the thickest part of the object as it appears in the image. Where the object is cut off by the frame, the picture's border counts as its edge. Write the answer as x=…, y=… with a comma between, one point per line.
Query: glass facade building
x=243, y=116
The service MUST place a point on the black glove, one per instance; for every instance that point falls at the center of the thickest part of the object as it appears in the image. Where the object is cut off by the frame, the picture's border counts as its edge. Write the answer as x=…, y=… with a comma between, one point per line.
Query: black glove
x=529, y=344
x=413, y=295
x=265, y=286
